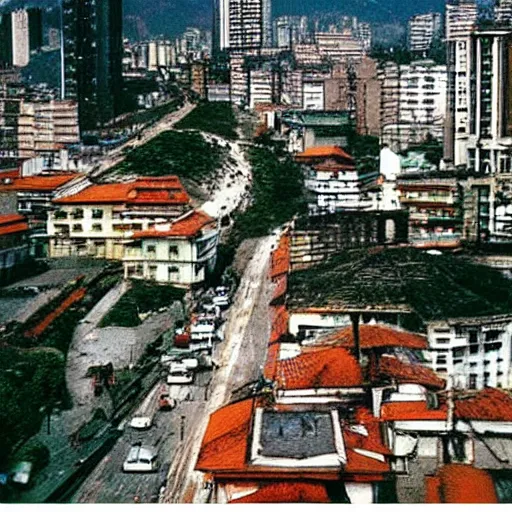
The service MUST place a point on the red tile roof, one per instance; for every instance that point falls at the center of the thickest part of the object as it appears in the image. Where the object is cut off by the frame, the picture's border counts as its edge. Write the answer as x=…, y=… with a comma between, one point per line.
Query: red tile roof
x=411, y=411
x=358, y=463
x=12, y=223
x=226, y=440
x=281, y=283
x=488, y=405
x=461, y=483
x=279, y=327
x=280, y=261
x=373, y=441
x=162, y=191
x=272, y=358
x=189, y=225
x=324, y=152
x=288, y=492
x=330, y=368
x=407, y=373
x=432, y=489
x=375, y=336
x=40, y=183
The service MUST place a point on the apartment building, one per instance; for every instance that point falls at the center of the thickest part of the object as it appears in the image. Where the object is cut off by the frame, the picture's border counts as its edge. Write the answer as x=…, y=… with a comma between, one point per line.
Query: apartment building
x=490, y=129
x=503, y=12
x=98, y=220
x=339, y=46
x=435, y=210
x=413, y=103
x=178, y=253
x=290, y=30
x=460, y=21
x=423, y=29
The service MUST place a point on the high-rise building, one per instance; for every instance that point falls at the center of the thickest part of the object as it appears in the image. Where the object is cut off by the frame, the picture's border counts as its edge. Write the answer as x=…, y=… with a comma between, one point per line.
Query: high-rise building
x=503, y=12
x=245, y=24
x=92, y=54
x=290, y=30
x=461, y=18
x=423, y=29
x=14, y=39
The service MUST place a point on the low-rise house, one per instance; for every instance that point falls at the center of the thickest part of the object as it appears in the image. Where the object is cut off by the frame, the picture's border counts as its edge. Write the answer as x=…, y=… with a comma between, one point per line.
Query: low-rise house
x=14, y=245
x=179, y=253
x=334, y=179
x=99, y=220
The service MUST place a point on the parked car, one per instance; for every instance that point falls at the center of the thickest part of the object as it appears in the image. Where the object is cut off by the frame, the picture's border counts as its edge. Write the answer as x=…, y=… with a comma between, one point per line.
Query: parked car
x=179, y=374
x=203, y=327
x=21, y=473
x=165, y=402
x=141, y=459
x=145, y=414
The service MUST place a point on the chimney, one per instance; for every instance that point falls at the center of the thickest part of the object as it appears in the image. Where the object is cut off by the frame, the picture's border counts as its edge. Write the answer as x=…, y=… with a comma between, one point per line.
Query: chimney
x=354, y=317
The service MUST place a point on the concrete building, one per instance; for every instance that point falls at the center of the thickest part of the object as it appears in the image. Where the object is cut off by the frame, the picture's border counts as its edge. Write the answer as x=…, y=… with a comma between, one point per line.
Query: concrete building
x=489, y=142
x=424, y=29
x=413, y=103
x=503, y=12
x=339, y=46
x=332, y=176
x=290, y=30
x=20, y=38
x=179, y=253
x=245, y=24
x=313, y=93
x=98, y=221
x=262, y=87
x=92, y=55
x=461, y=18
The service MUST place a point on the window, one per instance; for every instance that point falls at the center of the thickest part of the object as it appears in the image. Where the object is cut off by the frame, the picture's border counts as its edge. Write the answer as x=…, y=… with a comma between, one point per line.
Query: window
x=97, y=213
x=77, y=227
x=78, y=213
x=151, y=249
x=441, y=359
x=60, y=214
x=173, y=250
x=443, y=341
x=152, y=271
x=473, y=337
x=492, y=335
x=472, y=381
x=487, y=378
x=97, y=227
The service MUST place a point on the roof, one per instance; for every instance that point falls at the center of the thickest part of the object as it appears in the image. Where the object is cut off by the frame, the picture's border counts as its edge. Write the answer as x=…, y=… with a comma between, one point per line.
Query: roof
x=226, y=439
x=432, y=286
x=324, y=152
x=409, y=373
x=188, y=225
x=461, y=483
x=329, y=368
x=12, y=223
x=411, y=411
x=490, y=404
x=279, y=322
x=281, y=283
x=39, y=183
x=166, y=190
x=288, y=492
x=375, y=336
x=280, y=261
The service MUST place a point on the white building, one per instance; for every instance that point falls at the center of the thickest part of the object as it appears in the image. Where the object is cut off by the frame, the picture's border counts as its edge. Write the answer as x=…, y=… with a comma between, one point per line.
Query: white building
x=178, y=253
x=20, y=38
x=261, y=88
x=461, y=18
x=245, y=24
x=413, y=103
x=489, y=143
x=503, y=12
x=340, y=46
x=423, y=29
x=313, y=94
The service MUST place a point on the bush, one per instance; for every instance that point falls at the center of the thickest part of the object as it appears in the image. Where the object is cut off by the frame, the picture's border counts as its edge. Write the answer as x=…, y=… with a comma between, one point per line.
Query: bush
x=35, y=452
x=93, y=426
x=217, y=118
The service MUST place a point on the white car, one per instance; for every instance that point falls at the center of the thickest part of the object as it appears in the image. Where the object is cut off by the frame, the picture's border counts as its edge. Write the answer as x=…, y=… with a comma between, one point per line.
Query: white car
x=179, y=374
x=140, y=459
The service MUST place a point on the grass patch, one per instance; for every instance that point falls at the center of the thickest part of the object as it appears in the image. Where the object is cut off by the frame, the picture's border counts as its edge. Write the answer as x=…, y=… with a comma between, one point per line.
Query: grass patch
x=278, y=194
x=143, y=297
x=186, y=154
x=217, y=118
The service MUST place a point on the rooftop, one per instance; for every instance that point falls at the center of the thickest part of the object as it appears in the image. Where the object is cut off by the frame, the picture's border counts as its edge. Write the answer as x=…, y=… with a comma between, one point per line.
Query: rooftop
x=288, y=492
x=487, y=405
x=461, y=483
x=330, y=368
x=166, y=190
x=408, y=373
x=188, y=225
x=40, y=183
x=12, y=223
x=374, y=336
x=323, y=152
x=432, y=286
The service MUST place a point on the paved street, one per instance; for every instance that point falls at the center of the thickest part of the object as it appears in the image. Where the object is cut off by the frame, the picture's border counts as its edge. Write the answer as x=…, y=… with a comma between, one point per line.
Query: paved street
x=109, y=484
x=240, y=357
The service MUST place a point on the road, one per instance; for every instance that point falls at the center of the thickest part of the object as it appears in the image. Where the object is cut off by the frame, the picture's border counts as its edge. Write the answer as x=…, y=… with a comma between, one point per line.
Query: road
x=109, y=484
x=117, y=155
x=240, y=357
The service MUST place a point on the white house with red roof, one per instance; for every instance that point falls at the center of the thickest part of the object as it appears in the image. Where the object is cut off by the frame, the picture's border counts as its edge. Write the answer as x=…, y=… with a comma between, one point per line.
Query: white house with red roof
x=178, y=253
x=99, y=220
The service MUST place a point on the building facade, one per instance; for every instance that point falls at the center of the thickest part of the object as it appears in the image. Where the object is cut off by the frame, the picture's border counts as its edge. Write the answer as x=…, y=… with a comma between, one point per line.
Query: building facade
x=423, y=30
x=92, y=56
x=14, y=245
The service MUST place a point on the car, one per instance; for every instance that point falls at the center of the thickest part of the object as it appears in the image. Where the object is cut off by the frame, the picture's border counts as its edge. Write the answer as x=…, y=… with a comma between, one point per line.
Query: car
x=179, y=374
x=140, y=459
x=166, y=403
x=21, y=473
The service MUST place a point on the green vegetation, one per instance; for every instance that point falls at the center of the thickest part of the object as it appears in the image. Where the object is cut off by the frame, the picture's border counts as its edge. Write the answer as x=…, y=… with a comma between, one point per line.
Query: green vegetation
x=141, y=298
x=35, y=452
x=217, y=118
x=365, y=149
x=432, y=148
x=278, y=194
x=186, y=154
x=434, y=287
x=93, y=426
